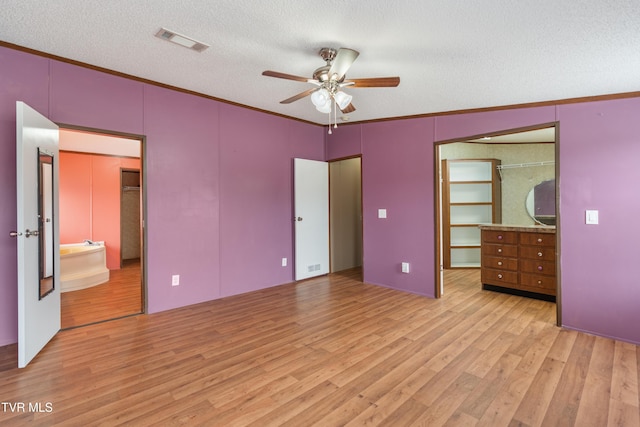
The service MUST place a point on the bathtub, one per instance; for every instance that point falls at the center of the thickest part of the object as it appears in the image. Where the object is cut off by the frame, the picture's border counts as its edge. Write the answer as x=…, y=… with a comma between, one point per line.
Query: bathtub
x=82, y=265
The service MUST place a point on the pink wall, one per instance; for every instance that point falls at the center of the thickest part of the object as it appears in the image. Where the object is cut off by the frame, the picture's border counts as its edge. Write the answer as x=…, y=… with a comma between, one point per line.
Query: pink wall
x=219, y=190
x=256, y=192
x=22, y=77
x=189, y=186
x=599, y=153
x=90, y=200
x=75, y=197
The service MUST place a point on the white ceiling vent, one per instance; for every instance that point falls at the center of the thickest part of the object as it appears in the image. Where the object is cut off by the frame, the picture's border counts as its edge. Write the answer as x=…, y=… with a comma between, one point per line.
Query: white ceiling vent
x=185, y=41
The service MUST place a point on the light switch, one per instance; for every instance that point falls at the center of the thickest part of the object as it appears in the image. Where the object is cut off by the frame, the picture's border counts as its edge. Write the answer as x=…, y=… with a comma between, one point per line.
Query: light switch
x=405, y=267
x=382, y=213
x=591, y=217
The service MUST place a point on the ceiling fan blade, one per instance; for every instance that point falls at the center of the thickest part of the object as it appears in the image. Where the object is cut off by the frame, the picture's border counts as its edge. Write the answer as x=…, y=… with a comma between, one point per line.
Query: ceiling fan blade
x=341, y=63
x=298, y=96
x=279, y=75
x=374, y=82
x=348, y=109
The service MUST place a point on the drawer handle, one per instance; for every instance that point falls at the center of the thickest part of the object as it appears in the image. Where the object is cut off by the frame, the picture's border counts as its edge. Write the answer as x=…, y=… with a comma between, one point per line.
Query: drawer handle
x=539, y=282
x=539, y=253
x=499, y=276
x=539, y=239
x=500, y=237
x=499, y=262
x=539, y=268
x=499, y=250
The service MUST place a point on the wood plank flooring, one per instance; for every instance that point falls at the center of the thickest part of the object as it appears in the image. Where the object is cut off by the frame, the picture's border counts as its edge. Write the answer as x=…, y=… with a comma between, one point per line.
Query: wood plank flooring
x=120, y=296
x=331, y=351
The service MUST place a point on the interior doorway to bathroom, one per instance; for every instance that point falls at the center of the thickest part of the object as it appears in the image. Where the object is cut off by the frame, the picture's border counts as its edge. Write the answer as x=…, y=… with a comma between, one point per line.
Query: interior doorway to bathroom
x=101, y=204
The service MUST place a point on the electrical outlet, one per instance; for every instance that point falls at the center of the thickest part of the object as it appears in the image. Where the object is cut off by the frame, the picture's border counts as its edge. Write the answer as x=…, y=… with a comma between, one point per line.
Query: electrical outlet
x=175, y=280
x=405, y=267
x=284, y=262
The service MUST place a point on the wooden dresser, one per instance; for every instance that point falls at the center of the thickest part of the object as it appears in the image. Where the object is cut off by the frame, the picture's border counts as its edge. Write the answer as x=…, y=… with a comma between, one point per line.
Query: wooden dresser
x=519, y=258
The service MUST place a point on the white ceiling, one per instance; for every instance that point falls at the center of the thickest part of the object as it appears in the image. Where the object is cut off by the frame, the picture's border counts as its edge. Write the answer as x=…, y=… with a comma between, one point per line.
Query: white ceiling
x=449, y=54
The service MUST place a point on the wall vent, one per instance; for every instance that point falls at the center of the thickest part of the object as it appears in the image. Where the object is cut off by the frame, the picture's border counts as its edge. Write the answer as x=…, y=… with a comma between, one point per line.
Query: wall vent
x=181, y=40
x=312, y=268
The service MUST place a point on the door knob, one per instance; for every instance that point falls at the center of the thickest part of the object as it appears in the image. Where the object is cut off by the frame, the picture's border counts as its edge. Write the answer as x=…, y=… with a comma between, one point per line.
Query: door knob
x=298, y=218
x=14, y=234
x=28, y=233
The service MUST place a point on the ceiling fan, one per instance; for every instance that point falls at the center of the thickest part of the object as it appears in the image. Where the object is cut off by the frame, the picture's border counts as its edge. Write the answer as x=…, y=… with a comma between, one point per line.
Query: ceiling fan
x=330, y=79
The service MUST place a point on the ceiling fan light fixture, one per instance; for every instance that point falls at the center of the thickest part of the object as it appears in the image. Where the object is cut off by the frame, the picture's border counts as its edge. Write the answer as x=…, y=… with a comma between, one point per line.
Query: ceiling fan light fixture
x=320, y=97
x=342, y=99
x=325, y=108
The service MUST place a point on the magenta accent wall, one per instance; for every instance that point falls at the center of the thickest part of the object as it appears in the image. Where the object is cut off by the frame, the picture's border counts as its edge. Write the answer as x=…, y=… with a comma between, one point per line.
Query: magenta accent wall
x=24, y=77
x=461, y=125
x=256, y=209
x=201, y=155
x=599, y=148
x=84, y=97
x=183, y=197
x=599, y=154
x=219, y=189
x=397, y=175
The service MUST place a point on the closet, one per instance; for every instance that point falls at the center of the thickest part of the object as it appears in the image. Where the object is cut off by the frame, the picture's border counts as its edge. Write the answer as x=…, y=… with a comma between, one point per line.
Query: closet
x=471, y=195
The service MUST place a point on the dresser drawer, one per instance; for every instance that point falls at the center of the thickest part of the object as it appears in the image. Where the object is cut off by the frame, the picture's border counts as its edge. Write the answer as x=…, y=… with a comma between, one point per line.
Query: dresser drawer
x=537, y=267
x=500, y=263
x=499, y=277
x=543, y=253
x=495, y=236
x=510, y=251
x=538, y=239
x=542, y=284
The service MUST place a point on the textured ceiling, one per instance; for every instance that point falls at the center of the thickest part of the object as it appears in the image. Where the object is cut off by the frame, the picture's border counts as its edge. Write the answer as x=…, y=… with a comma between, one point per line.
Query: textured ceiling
x=449, y=54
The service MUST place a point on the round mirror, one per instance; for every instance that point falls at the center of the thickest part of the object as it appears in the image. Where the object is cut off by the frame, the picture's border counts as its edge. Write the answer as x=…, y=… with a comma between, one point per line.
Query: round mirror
x=541, y=203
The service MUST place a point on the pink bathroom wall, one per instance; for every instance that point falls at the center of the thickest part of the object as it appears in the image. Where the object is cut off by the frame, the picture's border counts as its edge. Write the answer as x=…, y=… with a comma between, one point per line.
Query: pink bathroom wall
x=105, y=206
x=105, y=201
x=75, y=197
x=90, y=200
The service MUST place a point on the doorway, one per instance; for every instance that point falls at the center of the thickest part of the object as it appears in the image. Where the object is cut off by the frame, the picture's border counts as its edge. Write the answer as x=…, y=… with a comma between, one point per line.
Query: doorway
x=101, y=205
x=526, y=157
x=345, y=213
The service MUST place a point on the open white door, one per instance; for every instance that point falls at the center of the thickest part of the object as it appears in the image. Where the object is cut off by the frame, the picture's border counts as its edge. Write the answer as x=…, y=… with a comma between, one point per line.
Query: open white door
x=311, y=203
x=37, y=233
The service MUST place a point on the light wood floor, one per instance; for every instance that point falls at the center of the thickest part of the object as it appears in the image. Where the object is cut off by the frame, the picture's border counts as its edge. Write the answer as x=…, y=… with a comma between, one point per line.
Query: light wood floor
x=120, y=296
x=332, y=351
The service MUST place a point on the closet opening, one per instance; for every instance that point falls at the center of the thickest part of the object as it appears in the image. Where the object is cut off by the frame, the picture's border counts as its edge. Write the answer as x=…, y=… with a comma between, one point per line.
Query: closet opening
x=345, y=214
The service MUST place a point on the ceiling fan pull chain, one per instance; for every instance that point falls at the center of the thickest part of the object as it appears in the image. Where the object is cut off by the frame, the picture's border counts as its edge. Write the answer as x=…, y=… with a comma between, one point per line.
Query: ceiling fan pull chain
x=330, y=105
